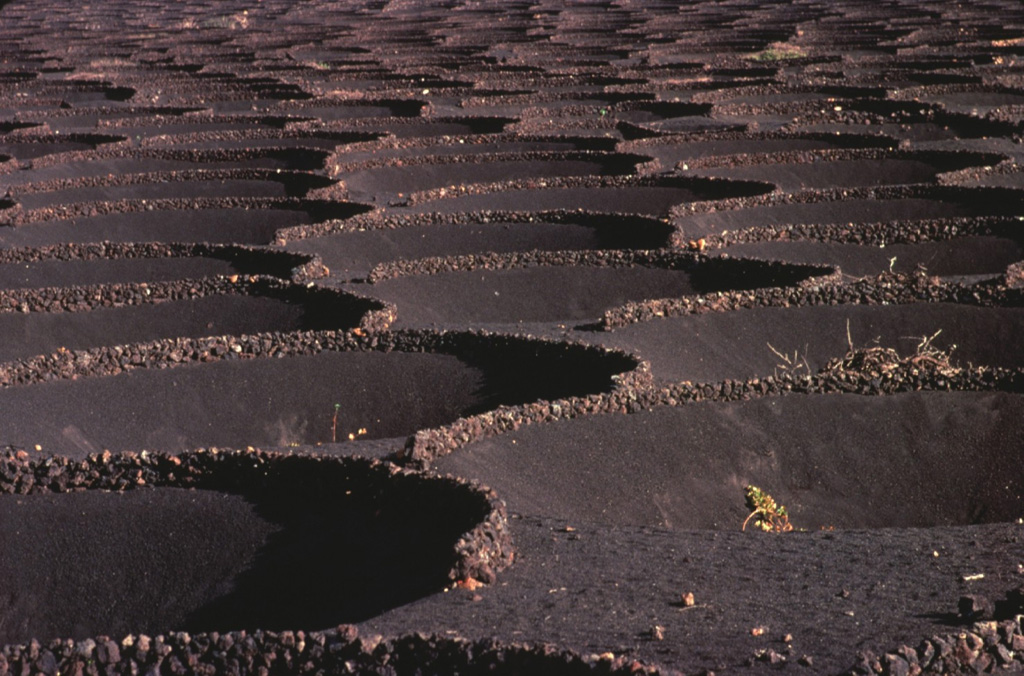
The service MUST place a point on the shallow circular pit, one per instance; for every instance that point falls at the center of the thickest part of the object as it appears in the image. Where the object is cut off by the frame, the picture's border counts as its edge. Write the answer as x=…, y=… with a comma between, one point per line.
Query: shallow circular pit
x=192, y=184
x=969, y=99
x=676, y=152
x=658, y=111
x=74, y=94
x=143, y=161
x=107, y=316
x=913, y=121
x=772, y=96
x=906, y=205
x=392, y=151
x=455, y=126
x=523, y=295
x=232, y=220
x=28, y=148
x=718, y=346
x=85, y=119
x=254, y=138
x=228, y=93
x=965, y=257
x=354, y=254
x=897, y=168
x=71, y=265
x=907, y=460
x=213, y=542
x=318, y=395
x=568, y=292
x=354, y=110
x=196, y=124
x=655, y=196
x=410, y=176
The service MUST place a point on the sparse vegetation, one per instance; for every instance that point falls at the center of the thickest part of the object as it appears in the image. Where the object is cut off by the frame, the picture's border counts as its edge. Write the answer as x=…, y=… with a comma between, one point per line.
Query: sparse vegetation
x=795, y=364
x=928, y=355
x=778, y=51
x=767, y=514
x=334, y=424
x=879, y=360
x=334, y=428
x=236, y=21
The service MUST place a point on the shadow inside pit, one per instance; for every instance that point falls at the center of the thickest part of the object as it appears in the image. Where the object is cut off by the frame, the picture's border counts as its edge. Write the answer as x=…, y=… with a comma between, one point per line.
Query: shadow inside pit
x=350, y=545
x=224, y=541
x=530, y=372
x=978, y=608
x=614, y=231
x=726, y=274
x=944, y=619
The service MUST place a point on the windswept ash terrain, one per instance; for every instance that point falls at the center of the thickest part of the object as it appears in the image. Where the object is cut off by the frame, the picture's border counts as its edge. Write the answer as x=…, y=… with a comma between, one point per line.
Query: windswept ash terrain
x=401, y=337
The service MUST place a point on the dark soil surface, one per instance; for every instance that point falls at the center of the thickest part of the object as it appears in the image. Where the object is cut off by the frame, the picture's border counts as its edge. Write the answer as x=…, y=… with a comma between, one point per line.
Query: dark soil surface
x=404, y=337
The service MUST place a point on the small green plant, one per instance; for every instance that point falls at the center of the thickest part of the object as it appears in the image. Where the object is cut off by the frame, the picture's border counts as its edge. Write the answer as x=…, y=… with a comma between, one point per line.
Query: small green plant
x=227, y=21
x=767, y=514
x=334, y=428
x=778, y=51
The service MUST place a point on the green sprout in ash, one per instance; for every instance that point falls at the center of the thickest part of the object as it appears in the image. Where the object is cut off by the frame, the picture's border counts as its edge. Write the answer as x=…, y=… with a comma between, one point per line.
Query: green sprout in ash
x=334, y=424
x=778, y=51
x=767, y=514
x=334, y=427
